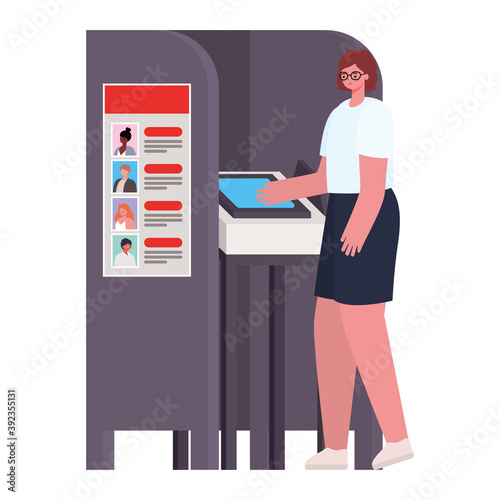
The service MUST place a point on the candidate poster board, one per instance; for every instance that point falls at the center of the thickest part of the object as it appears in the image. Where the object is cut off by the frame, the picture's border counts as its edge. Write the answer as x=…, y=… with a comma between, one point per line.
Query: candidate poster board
x=147, y=180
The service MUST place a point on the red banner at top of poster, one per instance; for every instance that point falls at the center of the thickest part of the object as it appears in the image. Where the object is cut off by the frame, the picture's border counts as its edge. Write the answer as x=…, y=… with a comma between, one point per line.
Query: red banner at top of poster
x=146, y=99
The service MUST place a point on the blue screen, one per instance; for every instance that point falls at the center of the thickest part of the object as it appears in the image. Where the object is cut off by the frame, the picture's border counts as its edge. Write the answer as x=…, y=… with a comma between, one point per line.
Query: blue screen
x=242, y=192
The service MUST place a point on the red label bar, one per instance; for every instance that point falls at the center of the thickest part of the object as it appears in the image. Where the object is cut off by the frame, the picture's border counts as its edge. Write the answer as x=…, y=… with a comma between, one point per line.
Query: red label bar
x=163, y=242
x=153, y=99
x=163, y=168
x=163, y=131
x=163, y=205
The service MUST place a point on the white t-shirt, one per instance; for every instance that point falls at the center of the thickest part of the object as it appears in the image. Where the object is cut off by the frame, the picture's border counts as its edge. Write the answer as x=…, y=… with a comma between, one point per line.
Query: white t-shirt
x=124, y=260
x=365, y=130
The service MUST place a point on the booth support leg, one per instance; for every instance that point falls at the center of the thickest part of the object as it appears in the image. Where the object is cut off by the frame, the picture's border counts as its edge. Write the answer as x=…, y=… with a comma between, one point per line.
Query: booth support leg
x=180, y=450
x=277, y=368
x=228, y=357
x=259, y=377
x=100, y=450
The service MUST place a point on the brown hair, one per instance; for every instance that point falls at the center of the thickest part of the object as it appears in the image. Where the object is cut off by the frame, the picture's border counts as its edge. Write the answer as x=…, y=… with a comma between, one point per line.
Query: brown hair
x=364, y=61
x=125, y=167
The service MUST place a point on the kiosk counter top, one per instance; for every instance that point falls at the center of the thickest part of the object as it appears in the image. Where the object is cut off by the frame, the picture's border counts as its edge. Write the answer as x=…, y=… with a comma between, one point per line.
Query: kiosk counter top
x=271, y=236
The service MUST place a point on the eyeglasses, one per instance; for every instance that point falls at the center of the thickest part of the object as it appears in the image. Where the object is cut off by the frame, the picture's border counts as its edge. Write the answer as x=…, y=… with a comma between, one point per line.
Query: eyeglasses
x=355, y=75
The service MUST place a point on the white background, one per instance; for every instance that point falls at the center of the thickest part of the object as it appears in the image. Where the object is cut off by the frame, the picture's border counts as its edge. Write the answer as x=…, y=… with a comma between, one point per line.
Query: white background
x=433, y=55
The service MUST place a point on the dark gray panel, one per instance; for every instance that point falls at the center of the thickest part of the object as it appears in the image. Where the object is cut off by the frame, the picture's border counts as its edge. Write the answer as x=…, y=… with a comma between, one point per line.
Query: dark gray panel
x=230, y=52
x=157, y=341
x=294, y=73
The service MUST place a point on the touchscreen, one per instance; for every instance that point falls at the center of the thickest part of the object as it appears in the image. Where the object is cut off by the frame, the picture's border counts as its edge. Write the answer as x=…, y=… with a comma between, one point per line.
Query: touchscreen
x=242, y=192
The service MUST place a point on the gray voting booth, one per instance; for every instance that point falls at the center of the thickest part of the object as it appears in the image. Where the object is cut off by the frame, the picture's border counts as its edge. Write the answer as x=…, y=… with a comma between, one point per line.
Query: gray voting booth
x=173, y=346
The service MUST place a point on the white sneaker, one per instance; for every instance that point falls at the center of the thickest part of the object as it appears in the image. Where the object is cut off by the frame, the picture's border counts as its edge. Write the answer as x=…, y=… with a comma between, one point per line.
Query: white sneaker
x=328, y=459
x=393, y=453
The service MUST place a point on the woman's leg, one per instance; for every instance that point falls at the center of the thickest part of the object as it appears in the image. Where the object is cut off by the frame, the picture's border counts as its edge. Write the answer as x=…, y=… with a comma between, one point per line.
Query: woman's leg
x=366, y=333
x=336, y=373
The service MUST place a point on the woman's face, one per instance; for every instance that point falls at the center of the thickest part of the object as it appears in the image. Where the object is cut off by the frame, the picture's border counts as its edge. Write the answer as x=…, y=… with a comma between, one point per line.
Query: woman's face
x=126, y=247
x=123, y=140
x=122, y=212
x=351, y=84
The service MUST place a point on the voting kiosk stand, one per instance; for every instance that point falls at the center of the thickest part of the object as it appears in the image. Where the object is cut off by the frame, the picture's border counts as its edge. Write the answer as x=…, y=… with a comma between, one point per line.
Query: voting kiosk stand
x=229, y=101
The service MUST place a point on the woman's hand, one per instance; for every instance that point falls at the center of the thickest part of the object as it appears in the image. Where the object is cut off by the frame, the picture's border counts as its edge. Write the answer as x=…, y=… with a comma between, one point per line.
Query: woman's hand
x=274, y=192
x=353, y=238
x=295, y=187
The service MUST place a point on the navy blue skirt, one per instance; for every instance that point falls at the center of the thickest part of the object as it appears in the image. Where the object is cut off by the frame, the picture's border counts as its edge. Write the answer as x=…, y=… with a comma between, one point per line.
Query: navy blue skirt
x=368, y=277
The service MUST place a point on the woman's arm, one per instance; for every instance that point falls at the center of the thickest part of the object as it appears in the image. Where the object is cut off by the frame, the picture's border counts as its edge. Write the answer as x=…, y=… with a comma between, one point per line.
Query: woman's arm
x=371, y=195
x=295, y=187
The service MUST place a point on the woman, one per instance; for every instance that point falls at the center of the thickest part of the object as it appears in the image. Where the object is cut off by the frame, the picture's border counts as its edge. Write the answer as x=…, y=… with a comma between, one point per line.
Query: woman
x=124, y=218
x=355, y=280
x=122, y=150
